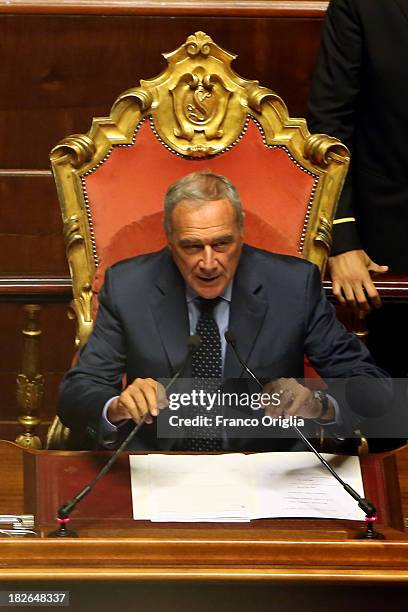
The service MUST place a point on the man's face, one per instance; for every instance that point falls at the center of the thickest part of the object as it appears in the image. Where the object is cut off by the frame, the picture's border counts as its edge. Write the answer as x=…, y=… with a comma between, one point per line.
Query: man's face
x=206, y=244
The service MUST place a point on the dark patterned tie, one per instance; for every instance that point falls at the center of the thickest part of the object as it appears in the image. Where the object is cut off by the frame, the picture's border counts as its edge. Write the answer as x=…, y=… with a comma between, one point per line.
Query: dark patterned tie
x=207, y=371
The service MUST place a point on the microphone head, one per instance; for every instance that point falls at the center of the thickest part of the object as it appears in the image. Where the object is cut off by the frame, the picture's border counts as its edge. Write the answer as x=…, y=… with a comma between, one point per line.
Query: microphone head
x=193, y=343
x=230, y=337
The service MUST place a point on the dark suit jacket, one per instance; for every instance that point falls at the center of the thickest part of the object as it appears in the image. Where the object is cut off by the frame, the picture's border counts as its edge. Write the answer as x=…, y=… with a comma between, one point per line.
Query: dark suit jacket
x=359, y=94
x=278, y=313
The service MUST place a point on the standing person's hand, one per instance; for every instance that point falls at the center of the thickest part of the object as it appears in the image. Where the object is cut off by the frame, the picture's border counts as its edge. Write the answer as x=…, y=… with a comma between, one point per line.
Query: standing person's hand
x=350, y=273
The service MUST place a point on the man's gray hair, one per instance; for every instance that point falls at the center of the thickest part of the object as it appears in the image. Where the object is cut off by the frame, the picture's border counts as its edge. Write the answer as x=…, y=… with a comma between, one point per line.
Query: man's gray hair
x=198, y=188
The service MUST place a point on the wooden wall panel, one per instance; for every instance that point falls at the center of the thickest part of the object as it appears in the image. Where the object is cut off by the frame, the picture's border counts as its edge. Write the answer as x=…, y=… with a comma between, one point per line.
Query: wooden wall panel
x=31, y=240
x=32, y=195
x=59, y=71
x=56, y=349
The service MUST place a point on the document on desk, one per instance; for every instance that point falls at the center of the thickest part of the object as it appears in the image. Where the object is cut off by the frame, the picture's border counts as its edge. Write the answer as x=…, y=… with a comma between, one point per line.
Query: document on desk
x=238, y=487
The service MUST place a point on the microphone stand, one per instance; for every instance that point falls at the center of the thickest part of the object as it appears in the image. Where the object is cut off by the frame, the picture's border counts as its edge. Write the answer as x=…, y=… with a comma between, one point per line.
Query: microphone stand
x=65, y=510
x=366, y=506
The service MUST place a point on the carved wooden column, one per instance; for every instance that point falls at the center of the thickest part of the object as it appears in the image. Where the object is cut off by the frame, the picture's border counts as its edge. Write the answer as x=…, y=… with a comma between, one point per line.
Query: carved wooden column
x=30, y=383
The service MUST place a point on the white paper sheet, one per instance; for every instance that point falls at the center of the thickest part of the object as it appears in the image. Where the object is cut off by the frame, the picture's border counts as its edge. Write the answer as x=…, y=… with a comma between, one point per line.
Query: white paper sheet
x=237, y=487
x=298, y=485
x=198, y=488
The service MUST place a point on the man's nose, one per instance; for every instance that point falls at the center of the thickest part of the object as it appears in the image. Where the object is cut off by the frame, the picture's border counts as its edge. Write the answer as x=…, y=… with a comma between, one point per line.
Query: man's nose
x=208, y=260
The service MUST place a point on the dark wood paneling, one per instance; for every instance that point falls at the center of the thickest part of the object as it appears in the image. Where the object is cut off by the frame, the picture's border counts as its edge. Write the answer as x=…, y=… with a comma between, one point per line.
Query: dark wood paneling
x=11, y=321
x=57, y=340
x=30, y=226
x=32, y=254
x=29, y=204
x=70, y=68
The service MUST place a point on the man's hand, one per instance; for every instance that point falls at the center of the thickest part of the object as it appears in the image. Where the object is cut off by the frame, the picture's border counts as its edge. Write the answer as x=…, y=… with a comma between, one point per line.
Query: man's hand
x=295, y=400
x=143, y=396
x=351, y=277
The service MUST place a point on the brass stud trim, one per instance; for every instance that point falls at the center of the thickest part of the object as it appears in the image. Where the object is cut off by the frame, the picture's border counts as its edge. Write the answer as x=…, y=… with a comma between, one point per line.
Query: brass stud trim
x=88, y=208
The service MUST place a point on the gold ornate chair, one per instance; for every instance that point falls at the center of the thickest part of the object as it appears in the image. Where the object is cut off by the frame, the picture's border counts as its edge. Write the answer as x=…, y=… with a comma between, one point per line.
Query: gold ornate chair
x=197, y=114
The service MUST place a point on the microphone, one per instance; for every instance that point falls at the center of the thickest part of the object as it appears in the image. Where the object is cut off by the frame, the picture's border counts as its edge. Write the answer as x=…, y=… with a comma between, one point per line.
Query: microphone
x=193, y=343
x=366, y=506
x=232, y=341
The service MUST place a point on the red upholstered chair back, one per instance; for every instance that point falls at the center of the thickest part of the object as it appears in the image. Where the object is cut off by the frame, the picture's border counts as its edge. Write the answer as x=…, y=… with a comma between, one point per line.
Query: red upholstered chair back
x=127, y=213
x=127, y=190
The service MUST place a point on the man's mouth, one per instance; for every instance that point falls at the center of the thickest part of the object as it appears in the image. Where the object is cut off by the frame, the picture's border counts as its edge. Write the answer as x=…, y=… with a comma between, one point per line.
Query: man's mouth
x=208, y=279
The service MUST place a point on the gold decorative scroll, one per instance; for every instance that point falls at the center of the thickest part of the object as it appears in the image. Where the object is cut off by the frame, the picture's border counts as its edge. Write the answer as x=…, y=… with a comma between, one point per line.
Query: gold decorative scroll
x=324, y=233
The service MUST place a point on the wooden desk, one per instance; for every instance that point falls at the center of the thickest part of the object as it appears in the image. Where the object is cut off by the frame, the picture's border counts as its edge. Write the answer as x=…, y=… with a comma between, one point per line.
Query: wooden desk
x=119, y=564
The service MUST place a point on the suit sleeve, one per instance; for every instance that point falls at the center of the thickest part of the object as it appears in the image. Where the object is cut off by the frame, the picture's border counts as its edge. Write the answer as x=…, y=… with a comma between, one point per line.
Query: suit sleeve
x=98, y=375
x=333, y=103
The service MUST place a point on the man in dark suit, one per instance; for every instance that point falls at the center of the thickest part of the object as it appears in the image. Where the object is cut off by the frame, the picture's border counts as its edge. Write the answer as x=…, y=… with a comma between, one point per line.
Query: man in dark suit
x=150, y=305
x=359, y=94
